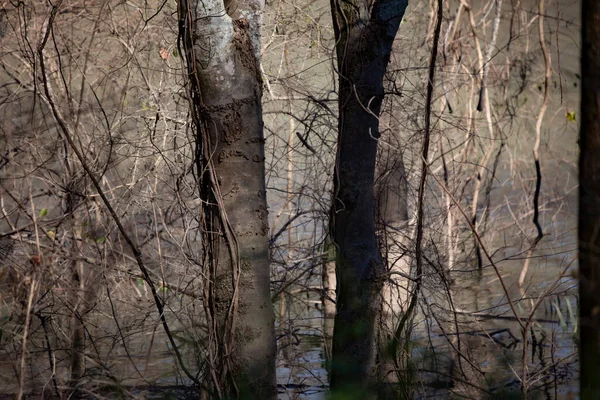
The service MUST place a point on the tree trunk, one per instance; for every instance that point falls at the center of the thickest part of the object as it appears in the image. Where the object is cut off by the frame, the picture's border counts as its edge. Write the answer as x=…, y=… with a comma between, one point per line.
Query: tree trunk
x=329, y=282
x=589, y=202
x=226, y=90
x=365, y=32
x=391, y=220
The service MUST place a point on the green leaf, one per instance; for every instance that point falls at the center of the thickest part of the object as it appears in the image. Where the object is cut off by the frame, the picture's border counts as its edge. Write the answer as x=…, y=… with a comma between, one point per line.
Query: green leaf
x=101, y=240
x=571, y=116
x=572, y=315
x=140, y=282
x=561, y=318
x=175, y=53
x=43, y=212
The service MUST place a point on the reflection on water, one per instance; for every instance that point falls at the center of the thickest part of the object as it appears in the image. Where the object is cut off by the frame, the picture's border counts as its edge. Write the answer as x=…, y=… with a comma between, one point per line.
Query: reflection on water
x=301, y=365
x=488, y=339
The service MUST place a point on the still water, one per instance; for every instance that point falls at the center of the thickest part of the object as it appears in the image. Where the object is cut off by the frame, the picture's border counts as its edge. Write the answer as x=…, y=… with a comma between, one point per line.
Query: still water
x=474, y=345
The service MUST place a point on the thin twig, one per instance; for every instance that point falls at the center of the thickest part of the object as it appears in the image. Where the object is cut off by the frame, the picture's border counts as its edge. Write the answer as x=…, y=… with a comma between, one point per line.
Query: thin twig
x=485, y=252
x=32, y=288
x=136, y=252
x=536, y=146
x=424, y=170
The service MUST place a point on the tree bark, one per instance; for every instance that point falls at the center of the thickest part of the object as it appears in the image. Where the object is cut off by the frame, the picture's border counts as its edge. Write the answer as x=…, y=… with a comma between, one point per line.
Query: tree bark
x=365, y=31
x=391, y=221
x=589, y=202
x=226, y=97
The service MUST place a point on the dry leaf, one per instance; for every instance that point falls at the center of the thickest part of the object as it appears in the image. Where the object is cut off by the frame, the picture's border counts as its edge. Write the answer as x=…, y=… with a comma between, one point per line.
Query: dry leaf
x=164, y=54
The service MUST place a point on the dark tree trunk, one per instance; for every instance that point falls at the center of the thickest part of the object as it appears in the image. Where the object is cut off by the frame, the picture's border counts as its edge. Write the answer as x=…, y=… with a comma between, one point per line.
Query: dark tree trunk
x=589, y=203
x=365, y=32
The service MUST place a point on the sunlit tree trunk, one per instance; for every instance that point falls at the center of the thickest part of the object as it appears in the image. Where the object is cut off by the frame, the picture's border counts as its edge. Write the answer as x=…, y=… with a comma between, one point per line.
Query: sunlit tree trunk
x=226, y=90
x=391, y=220
x=329, y=283
x=589, y=202
x=365, y=32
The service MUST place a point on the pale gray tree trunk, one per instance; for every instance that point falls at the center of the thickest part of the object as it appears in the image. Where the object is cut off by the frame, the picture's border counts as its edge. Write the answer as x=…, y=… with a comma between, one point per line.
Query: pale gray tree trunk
x=365, y=31
x=329, y=283
x=391, y=221
x=226, y=99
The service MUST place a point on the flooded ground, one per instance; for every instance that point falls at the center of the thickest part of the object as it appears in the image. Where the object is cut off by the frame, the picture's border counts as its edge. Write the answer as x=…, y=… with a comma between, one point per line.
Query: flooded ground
x=466, y=341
